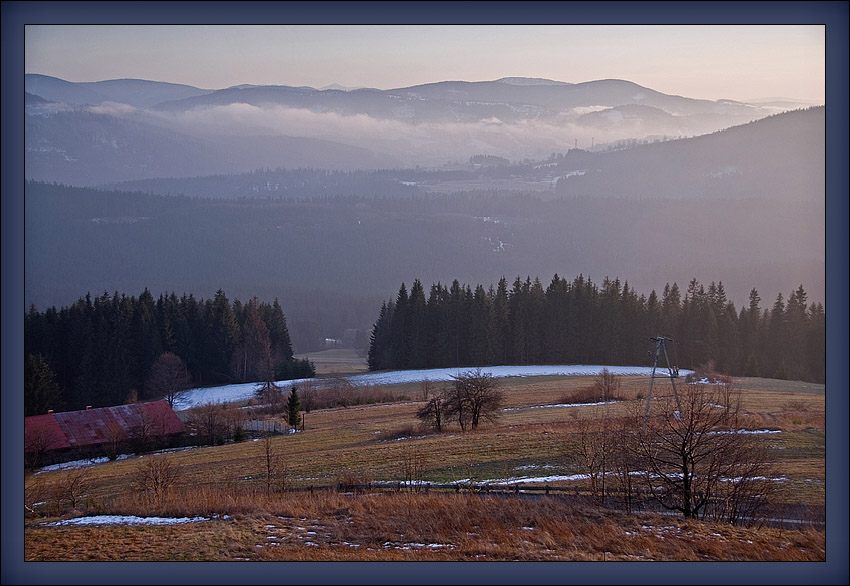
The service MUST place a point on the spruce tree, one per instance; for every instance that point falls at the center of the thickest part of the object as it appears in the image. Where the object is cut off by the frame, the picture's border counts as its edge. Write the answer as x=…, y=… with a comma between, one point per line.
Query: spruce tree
x=293, y=409
x=223, y=335
x=256, y=360
x=380, y=343
x=41, y=393
x=400, y=337
x=281, y=345
x=417, y=325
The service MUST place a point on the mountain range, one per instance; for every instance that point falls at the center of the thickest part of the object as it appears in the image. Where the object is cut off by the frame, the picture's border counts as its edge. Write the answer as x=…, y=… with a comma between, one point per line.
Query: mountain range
x=119, y=130
x=286, y=193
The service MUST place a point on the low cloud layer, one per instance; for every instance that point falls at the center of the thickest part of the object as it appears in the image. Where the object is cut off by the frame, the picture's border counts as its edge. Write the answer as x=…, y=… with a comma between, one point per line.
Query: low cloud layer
x=415, y=143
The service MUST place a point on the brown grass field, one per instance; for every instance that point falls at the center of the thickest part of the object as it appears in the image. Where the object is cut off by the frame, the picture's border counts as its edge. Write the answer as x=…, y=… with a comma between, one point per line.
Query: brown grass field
x=253, y=516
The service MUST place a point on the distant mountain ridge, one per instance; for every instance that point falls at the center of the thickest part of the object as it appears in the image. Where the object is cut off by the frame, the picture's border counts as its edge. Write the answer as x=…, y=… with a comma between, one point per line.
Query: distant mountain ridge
x=547, y=94
x=127, y=129
x=530, y=81
x=459, y=101
x=139, y=93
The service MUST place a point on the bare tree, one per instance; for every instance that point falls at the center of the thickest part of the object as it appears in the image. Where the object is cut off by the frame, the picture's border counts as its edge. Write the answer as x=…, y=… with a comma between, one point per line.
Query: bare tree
x=474, y=397
x=698, y=460
x=234, y=421
x=209, y=421
x=155, y=477
x=38, y=441
x=271, y=395
x=308, y=395
x=147, y=433
x=169, y=378
x=413, y=465
x=593, y=453
x=73, y=487
x=116, y=439
x=623, y=460
x=607, y=386
x=273, y=465
x=35, y=494
x=598, y=439
x=425, y=388
x=432, y=414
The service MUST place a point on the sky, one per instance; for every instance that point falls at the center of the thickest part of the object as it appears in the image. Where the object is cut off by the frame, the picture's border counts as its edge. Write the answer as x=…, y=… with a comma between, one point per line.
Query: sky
x=740, y=62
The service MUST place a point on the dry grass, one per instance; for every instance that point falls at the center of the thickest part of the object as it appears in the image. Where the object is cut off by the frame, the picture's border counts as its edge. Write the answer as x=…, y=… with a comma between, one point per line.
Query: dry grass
x=406, y=526
x=336, y=362
x=375, y=442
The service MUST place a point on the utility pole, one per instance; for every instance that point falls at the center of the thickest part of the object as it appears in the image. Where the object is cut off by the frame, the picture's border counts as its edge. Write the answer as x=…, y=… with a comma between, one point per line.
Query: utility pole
x=672, y=372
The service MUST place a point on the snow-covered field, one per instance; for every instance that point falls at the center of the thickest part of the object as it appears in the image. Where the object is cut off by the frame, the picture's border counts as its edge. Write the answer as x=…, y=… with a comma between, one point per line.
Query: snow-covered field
x=242, y=392
x=225, y=394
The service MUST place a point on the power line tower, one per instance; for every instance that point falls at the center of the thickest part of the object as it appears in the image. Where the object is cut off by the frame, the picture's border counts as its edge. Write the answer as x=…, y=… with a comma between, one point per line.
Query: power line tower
x=672, y=373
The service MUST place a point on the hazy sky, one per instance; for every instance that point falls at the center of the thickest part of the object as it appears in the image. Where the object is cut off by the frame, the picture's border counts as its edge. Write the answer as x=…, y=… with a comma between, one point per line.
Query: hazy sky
x=700, y=61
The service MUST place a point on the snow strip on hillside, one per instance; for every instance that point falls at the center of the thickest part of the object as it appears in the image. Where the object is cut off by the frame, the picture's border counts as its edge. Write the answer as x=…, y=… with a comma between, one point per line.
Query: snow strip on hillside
x=127, y=520
x=242, y=392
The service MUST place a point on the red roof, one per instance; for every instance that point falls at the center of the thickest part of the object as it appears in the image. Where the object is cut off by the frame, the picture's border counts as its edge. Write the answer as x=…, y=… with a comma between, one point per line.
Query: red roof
x=92, y=427
x=42, y=432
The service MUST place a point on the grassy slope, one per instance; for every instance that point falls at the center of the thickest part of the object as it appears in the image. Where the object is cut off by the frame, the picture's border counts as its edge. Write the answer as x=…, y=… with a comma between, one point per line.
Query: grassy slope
x=361, y=444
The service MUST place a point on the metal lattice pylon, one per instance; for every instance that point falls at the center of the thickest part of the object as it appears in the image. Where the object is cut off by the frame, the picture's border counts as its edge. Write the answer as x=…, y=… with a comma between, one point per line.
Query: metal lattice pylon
x=672, y=373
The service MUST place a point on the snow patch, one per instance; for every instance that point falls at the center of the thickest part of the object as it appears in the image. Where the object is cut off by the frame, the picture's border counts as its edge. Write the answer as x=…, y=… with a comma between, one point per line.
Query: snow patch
x=409, y=437
x=560, y=405
x=127, y=520
x=532, y=479
x=748, y=431
x=245, y=391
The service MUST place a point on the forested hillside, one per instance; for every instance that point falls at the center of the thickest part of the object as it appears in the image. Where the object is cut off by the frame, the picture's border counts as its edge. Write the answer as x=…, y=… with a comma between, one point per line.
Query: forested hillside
x=104, y=350
x=580, y=322
x=332, y=259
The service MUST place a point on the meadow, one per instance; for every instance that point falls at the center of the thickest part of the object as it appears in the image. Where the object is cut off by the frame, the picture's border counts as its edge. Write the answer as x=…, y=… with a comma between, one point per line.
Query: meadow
x=306, y=495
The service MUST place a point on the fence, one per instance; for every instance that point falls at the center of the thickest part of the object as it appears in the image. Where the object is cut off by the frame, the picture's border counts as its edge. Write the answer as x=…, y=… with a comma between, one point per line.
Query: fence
x=256, y=426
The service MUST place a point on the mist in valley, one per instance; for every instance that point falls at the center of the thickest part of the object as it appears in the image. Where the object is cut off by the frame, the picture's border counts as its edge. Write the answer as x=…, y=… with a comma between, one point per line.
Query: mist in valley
x=336, y=233
x=329, y=195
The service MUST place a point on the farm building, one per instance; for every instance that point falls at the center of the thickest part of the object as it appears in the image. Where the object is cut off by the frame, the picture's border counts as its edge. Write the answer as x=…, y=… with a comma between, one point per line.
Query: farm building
x=106, y=431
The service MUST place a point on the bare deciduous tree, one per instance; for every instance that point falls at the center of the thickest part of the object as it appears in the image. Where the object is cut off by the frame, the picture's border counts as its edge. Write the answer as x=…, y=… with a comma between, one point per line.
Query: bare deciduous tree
x=698, y=460
x=116, y=438
x=594, y=453
x=425, y=388
x=308, y=395
x=275, y=470
x=73, y=486
x=38, y=441
x=271, y=396
x=474, y=397
x=623, y=460
x=413, y=465
x=148, y=434
x=155, y=477
x=607, y=386
x=209, y=421
x=35, y=494
x=432, y=413
x=169, y=378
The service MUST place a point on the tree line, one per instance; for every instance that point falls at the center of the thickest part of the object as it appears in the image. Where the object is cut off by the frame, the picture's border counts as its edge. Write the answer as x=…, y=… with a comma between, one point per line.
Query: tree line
x=580, y=322
x=110, y=349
